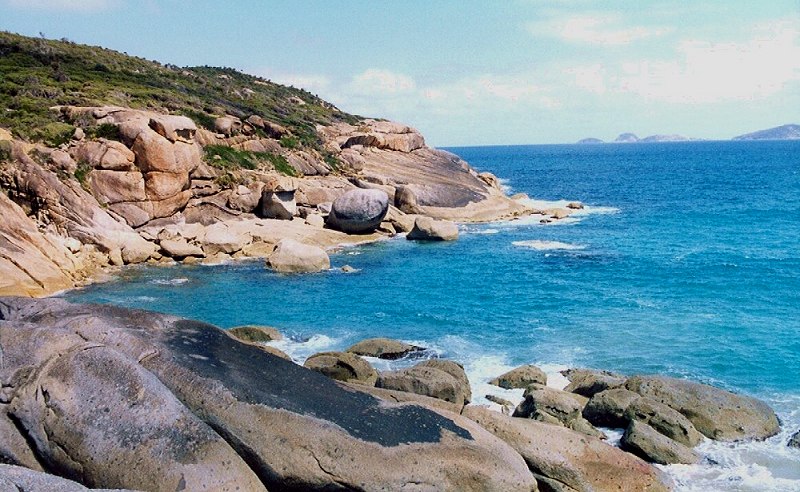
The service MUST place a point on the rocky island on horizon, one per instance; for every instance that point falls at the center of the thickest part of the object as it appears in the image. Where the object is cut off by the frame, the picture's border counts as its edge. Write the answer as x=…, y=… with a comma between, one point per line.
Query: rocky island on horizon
x=783, y=132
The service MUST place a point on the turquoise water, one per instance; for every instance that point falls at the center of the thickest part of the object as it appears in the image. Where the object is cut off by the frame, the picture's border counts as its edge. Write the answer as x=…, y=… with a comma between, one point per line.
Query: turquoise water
x=686, y=262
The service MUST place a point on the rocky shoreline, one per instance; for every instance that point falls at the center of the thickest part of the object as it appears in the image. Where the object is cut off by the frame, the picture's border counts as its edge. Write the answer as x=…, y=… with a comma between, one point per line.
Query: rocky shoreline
x=185, y=405
x=151, y=191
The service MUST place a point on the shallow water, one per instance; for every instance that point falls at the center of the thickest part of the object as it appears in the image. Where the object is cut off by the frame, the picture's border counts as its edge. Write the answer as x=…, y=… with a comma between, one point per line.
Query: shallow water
x=686, y=262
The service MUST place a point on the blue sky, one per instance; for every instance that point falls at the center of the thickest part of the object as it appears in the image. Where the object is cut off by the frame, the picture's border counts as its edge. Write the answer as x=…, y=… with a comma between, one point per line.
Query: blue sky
x=478, y=72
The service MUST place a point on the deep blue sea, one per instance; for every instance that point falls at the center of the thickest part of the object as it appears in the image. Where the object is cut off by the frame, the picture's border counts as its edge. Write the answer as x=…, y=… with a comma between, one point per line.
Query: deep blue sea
x=686, y=262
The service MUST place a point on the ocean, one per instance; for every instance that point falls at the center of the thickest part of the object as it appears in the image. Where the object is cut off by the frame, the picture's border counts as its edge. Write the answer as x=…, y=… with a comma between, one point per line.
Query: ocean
x=685, y=262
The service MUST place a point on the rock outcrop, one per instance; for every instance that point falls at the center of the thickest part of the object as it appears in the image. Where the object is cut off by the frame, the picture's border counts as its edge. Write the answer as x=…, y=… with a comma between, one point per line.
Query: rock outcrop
x=520, y=377
x=427, y=229
x=384, y=348
x=122, y=398
x=291, y=256
x=427, y=380
x=343, y=366
x=650, y=445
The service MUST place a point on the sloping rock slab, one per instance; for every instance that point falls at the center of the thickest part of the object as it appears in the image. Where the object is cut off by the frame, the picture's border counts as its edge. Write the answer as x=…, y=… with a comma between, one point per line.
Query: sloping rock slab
x=19, y=479
x=295, y=428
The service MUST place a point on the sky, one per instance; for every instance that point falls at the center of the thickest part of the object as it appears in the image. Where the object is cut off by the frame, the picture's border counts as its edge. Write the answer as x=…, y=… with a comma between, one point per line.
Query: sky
x=470, y=72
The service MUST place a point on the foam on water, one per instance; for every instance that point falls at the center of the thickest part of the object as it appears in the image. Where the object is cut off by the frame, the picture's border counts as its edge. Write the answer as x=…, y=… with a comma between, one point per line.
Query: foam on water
x=301, y=349
x=539, y=245
x=171, y=281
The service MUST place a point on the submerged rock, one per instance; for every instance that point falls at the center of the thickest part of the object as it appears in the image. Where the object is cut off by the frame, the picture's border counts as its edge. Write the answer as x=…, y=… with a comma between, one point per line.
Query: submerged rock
x=716, y=413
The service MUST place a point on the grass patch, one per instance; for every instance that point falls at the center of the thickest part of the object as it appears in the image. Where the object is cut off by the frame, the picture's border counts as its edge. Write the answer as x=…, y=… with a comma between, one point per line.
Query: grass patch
x=5, y=151
x=230, y=159
x=280, y=164
x=82, y=174
x=290, y=142
x=54, y=134
x=106, y=130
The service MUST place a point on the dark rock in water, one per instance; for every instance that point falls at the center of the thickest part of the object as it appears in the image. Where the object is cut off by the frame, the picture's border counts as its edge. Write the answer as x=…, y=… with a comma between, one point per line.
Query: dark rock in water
x=794, y=442
x=647, y=443
x=343, y=366
x=716, y=413
x=588, y=382
x=125, y=398
x=358, y=211
x=384, y=348
x=521, y=377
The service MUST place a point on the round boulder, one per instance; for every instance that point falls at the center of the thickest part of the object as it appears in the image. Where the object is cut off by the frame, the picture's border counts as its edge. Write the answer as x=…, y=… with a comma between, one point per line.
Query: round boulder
x=426, y=380
x=588, y=382
x=291, y=256
x=427, y=229
x=521, y=377
x=343, y=366
x=358, y=211
x=383, y=348
x=452, y=368
x=607, y=408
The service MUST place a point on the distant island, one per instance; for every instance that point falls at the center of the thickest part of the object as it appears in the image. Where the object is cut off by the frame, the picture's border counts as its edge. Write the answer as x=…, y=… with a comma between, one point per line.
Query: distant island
x=784, y=132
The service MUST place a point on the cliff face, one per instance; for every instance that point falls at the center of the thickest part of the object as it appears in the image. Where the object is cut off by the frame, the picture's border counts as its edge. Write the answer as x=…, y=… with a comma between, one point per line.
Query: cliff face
x=90, y=186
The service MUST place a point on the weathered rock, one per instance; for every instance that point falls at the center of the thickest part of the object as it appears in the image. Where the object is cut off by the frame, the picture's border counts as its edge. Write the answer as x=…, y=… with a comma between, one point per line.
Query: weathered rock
x=395, y=396
x=588, y=382
x=358, y=211
x=102, y=410
x=575, y=205
x=521, y=377
x=406, y=201
x=20, y=479
x=104, y=154
x=160, y=185
x=219, y=238
x=490, y=179
x=117, y=186
x=315, y=220
x=245, y=198
x=794, y=441
x=665, y=420
x=572, y=459
x=137, y=250
x=174, y=128
x=343, y=366
x=454, y=369
x=607, y=408
x=383, y=348
x=291, y=256
x=180, y=248
x=255, y=333
x=650, y=445
x=555, y=407
x=716, y=413
x=228, y=125
x=278, y=205
x=428, y=229
x=330, y=437
x=426, y=380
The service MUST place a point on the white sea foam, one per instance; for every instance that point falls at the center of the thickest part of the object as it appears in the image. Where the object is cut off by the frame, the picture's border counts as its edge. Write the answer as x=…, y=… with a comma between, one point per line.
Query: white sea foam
x=505, y=186
x=171, y=281
x=300, y=350
x=540, y=245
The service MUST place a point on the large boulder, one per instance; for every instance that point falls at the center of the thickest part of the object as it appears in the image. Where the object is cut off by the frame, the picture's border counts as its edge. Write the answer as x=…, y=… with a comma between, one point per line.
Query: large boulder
x=143, y=367
x=180, y=248
x=428, y=381
x=291, y=256
x=607, y=408
x=384, y=348
x=555, y=407
x=647, y=443
x=716, y=413
x=588, y=382
x=278, y=205
x=520, y=377
x=568, y=458
x=452, y=368
x=428, y=229
x=343, y=366
x=665, y=420
x=358, y=211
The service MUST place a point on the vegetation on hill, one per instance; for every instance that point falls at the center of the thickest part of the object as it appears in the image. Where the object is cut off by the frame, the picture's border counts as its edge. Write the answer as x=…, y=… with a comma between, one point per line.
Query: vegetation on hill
x=37, y=73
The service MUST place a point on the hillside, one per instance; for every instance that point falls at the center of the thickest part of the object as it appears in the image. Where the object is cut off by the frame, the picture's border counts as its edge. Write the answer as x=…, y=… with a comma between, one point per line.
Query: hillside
x=784, y=132
x=36, y=74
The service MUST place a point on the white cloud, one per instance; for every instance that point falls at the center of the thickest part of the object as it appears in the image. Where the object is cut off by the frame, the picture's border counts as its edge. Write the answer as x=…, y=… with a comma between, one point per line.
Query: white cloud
x=375, y=81
x=604, y=30
x=707, y=72
x=61, y=5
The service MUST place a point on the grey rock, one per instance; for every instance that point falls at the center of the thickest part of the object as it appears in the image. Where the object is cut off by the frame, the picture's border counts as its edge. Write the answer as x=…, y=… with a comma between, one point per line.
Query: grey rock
x=650, y=445
x=607, y=408
x=520, y=377
x=384, y=348
x=358, y=211
x=716, y=413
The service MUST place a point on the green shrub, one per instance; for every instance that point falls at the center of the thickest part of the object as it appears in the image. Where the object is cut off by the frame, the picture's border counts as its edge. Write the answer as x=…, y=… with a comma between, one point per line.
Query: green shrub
x=225, y=157
x=54, y=134
x=82, y=173
x=106, y=130
x=290, y=142
x=280, y=163
x=203, y=119
x=5, y=151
